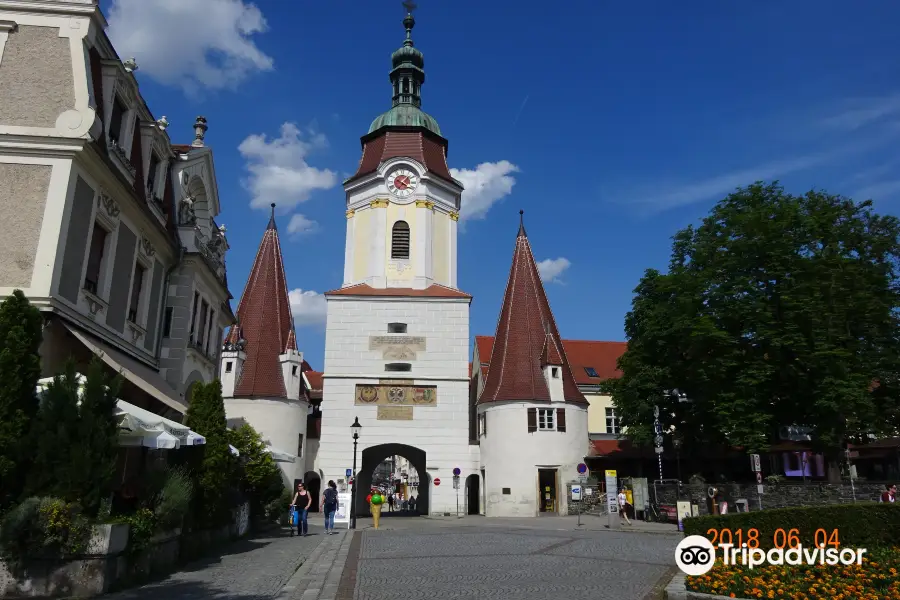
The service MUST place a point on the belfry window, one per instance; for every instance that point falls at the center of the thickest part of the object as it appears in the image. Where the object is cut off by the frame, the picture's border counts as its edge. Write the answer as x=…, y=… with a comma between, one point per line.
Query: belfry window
x=400, y=240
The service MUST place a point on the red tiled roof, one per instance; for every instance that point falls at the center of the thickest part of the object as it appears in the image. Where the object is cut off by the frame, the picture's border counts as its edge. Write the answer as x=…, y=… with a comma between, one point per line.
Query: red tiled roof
x=525, y=324
x=433, y=291
x=315, y=380
x=427, y=149
x=264, y=320
x=603, y=447
x=582, y=355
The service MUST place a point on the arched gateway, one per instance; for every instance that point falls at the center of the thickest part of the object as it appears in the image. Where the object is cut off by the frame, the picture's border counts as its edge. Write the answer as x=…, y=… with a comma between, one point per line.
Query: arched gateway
x=374, y=456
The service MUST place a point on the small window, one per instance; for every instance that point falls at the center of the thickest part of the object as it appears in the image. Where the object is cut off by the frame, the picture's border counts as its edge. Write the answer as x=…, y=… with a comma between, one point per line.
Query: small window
x=294, y=370
x=507, y=491
x=228, y=366
x=400, y=240
x=152, y=173
x=116, y=121
x=396, y=327
x=555, y=372
x=95, y=259
x=545, y=419
x=300, y=446
x=167, y=321
x=201, y=334
x=612, y=423
x=482, y=425
x=398, y=367
x=591, y=372
x=194, y=315
x=137, y=284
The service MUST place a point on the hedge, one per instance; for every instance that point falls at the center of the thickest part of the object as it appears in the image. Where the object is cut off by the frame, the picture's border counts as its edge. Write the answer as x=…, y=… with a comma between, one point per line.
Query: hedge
x=859, y=525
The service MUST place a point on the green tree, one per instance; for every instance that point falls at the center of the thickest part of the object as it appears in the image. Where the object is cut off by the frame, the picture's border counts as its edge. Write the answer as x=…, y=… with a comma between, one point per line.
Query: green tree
x=777, y=310
x=261, y=479
x=20, y=369
x=75, y=436
x=217, y=472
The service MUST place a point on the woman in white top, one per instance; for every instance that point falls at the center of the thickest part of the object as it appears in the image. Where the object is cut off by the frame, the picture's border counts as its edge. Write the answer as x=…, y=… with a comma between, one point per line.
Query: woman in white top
x=623, y=502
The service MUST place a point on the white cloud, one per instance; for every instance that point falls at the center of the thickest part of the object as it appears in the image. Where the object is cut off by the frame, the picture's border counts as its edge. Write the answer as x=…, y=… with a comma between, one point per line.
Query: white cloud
x=551, y=269
x=300, y=225
x=485, y=185
x=864, y=111
x=190, y=44
x=278, y=171
x=308, y=307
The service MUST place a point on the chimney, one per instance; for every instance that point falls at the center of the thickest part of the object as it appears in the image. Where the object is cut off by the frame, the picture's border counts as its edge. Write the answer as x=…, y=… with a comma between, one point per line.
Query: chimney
x=200, y=128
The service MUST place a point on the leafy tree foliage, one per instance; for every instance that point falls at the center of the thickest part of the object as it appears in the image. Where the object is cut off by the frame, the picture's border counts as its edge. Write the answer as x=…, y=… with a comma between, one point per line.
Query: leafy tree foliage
x=777, y=310
x=261, y=479
x=206, y=416
x=20, y=369
x=75, y=437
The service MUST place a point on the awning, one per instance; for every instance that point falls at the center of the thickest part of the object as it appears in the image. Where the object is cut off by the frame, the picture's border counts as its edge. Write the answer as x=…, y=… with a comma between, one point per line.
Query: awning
x=142, y=376
x=280, y=455
x=139, y=427
x=233, y=450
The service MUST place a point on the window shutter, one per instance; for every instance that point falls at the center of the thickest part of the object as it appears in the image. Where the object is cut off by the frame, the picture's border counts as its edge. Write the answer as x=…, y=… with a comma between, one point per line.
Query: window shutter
x=532, y=420
x=560, y=419
x=400, y=240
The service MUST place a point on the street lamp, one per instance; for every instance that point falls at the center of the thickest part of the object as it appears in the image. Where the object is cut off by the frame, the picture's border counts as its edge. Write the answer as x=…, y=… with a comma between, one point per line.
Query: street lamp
x=676, y=443
x=354, y=430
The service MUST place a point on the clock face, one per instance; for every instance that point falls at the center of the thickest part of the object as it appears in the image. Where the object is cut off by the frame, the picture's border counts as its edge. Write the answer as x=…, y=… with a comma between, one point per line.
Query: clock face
x=402, y=182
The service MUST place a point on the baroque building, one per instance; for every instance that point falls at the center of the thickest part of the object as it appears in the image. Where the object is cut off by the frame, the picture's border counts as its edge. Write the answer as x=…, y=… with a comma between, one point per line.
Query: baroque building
x=110, y=226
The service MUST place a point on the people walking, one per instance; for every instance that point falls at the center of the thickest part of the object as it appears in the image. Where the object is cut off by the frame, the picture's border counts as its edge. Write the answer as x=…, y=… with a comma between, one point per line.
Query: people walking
x=412, y=504
x=329, y=506
x=622, y=501
x=301, y=503
x=890, y=493
x=391, y=503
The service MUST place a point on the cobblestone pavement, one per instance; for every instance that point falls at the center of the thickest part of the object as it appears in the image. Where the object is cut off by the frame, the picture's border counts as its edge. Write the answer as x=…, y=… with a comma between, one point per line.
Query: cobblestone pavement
x=249, y=569
x=320, y=577
x=447, y=559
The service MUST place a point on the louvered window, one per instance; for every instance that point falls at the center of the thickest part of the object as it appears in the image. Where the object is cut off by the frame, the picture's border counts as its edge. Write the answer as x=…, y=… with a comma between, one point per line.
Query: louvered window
x=400, y=240
x=532, y=420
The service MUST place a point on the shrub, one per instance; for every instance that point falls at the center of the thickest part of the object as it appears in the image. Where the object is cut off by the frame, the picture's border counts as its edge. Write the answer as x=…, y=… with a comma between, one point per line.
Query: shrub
x=43, y=528
x=862, y=525
x=173, y=501
x=279, y=507
x=143, y=524
x=261, y=478
x=20, y=368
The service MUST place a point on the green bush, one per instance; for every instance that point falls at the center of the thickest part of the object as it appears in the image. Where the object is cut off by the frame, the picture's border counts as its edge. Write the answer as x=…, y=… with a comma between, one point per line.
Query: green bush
x=861, y=525
x=279, y=507
x=143, y=525
x=173, y=501
x=260, y=477
x=43, y=528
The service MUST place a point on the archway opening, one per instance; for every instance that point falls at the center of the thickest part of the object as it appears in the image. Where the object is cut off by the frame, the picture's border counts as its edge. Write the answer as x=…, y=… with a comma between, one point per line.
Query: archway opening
x=313, y=484
x=373, y=472
x=473, y=495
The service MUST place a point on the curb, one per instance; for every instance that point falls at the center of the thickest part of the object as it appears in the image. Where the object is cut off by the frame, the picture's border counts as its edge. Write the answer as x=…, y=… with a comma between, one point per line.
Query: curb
x=302, y=569
x=677, y=590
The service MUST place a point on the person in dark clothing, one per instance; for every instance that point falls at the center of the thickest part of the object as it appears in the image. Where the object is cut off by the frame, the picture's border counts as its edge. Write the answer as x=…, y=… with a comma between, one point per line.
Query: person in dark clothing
x=412, y=504
x=329, y=506
x=391, y=503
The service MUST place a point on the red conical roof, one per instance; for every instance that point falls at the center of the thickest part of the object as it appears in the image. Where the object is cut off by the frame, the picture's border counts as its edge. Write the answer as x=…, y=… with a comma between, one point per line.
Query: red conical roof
x=526, y=338
x=264, y=321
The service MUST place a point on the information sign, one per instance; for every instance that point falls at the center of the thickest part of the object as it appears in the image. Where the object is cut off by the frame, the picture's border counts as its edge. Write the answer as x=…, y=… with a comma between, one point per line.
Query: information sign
x=755, y=464
x=576, y=493
x=611, y=491
x=342, y=514
x=349, y=473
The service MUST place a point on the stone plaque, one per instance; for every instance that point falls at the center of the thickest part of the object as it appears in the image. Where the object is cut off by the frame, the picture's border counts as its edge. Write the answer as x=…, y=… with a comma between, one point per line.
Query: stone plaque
x=395, y=413
x=397, y=347
x=396, y=395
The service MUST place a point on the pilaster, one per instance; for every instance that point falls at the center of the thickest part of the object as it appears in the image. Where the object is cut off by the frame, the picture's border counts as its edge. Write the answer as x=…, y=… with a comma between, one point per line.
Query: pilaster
x=380, y=247
x=454, y=227
x=423, y=267
x=348, y=247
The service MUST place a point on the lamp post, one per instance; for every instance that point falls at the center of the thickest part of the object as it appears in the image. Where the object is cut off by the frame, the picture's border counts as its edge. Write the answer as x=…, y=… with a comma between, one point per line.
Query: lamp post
x=676, y=443
x=354, y=429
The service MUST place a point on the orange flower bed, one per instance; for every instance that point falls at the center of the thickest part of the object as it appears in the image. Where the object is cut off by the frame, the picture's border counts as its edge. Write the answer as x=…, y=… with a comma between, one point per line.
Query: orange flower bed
x=878, y=578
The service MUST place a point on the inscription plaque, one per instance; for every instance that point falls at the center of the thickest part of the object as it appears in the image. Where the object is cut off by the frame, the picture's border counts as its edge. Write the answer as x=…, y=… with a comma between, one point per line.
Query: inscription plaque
x=395, y=395
x=397, y=347
x=395, y=413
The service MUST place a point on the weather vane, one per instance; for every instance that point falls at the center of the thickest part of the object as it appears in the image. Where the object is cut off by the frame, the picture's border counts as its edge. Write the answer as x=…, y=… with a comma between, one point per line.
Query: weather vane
x=410, y=6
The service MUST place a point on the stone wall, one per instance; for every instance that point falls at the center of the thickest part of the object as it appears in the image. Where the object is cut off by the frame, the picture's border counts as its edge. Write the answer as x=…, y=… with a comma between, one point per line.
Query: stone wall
x=779, y=495
x=593, y=504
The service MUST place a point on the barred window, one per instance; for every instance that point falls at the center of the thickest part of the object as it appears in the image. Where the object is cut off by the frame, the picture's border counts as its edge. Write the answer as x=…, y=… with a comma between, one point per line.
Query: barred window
x=400, y=240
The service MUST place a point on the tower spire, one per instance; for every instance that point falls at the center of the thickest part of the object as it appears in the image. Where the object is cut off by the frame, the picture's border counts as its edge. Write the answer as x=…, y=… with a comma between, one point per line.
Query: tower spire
x=522, y=224
x=408, y=73
x=272, y=224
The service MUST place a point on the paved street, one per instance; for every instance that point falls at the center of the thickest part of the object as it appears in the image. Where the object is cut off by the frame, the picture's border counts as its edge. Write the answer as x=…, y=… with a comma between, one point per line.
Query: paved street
x=252, y=569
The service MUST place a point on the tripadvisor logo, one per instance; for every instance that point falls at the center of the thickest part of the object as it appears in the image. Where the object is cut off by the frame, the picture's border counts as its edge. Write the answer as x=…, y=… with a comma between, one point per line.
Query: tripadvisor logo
x=695, y=555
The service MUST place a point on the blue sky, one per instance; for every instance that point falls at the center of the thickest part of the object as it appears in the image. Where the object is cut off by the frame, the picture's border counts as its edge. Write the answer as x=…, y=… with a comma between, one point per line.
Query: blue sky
x=612, y=125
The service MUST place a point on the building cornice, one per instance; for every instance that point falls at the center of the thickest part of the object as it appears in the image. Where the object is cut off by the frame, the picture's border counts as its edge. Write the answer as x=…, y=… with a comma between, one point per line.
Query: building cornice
x=395, y=377
x=28, y=144
x=84, y=8
x=371, y=299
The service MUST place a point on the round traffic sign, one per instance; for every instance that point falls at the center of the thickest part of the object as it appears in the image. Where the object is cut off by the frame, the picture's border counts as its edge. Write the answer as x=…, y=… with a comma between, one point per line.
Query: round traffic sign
x=582, y=468
x=456, y=471
x=758, y=477
x=437, y=481
x=659, y=440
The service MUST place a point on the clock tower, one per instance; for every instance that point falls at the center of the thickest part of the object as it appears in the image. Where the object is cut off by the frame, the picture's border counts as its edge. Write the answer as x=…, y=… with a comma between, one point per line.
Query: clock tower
x=396, y=342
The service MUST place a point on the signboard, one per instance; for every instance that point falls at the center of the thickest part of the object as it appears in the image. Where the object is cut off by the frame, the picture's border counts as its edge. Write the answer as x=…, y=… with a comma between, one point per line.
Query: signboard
x=582, y=468
x=456, y=471
x=755, y=464
x=683, y=511
x=395, y=413
x=342, y=514
x=659, y=450
x=456, y=482
x=348, y=473
x=437, y=481
x=611, y=483
x=759, y=478
x=588, y=491
x=576, y=493
x=759, y=489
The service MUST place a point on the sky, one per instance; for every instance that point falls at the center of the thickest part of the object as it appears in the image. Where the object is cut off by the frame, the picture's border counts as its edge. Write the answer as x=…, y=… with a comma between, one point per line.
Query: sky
x=611, y=124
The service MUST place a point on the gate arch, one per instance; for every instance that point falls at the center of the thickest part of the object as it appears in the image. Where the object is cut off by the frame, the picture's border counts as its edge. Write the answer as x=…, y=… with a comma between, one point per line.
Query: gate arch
x=374, y=456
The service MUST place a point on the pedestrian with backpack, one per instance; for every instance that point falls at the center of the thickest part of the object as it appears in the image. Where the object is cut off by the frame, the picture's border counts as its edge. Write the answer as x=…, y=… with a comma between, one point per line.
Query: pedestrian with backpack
x=329, y=506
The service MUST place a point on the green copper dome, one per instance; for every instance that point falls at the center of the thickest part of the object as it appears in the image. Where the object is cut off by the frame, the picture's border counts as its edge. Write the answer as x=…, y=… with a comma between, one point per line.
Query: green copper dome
x=406, y=115
x=407, y=76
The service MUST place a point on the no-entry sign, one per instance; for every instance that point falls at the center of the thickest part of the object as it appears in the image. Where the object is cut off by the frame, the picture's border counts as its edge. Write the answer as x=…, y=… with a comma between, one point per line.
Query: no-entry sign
x=437, y=481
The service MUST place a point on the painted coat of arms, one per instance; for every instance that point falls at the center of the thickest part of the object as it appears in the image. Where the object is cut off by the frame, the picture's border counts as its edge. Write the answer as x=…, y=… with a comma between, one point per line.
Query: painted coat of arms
x=368, y=394
x=423, y=395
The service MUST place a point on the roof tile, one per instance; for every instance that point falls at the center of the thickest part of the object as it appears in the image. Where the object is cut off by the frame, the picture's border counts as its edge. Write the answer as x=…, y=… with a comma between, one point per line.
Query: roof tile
x=417, y=145
x=526, y=324
x=602, y=357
